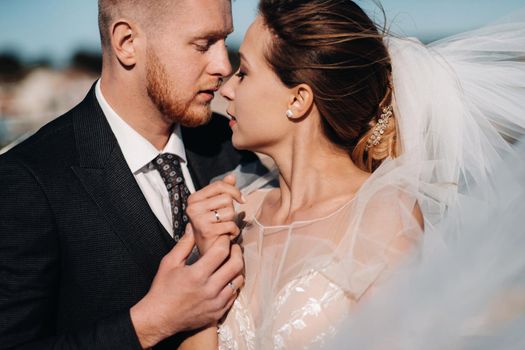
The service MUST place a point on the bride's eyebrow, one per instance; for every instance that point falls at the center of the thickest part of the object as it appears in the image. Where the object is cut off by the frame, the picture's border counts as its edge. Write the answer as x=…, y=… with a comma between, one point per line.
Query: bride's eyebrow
x=242, y=57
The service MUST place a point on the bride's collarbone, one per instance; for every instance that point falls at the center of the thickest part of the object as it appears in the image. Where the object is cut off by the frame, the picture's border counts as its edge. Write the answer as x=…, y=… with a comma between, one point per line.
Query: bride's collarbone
x=275, y=213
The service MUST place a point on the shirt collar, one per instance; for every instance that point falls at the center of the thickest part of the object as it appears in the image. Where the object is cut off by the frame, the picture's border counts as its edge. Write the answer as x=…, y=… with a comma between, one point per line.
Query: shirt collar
x=137, y=150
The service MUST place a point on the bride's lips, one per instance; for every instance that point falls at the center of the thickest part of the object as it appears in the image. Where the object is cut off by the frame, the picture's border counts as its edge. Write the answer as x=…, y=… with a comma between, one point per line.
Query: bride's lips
x=231, y=118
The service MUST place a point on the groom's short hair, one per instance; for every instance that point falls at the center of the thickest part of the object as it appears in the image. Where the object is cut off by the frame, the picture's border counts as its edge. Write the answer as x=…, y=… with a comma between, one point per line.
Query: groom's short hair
x=146, y=11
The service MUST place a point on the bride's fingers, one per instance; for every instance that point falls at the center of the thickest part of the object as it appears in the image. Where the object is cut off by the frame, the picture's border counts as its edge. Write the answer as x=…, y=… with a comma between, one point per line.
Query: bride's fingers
x=230, y=179
x=211, y=232
x=229, y=228
x=214, y=189
x=221, y=201
x=222, y=214
x=209, y=205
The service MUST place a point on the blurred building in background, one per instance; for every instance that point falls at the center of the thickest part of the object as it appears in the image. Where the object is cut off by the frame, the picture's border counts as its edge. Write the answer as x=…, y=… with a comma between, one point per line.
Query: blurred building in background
x=31, y=95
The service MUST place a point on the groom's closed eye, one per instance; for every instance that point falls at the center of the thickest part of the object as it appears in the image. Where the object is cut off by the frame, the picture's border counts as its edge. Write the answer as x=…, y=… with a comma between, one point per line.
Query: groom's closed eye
x=204, y=42
x=203, y=46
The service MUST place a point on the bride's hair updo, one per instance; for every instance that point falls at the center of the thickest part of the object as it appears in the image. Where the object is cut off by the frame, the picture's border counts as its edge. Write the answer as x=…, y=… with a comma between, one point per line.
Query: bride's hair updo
x=336, y=49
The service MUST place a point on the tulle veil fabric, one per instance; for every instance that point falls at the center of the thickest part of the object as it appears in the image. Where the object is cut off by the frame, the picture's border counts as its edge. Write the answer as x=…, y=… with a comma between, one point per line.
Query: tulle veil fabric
x=466, y=294
x=459, y=107
x=460, y=104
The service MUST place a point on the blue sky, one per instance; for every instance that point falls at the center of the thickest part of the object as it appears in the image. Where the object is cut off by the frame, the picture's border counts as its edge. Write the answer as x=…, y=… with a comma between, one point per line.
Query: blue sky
x=56, y=28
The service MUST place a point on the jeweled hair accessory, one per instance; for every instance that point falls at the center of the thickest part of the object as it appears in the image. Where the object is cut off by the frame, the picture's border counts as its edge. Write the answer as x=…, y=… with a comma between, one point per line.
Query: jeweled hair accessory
x=379, y=128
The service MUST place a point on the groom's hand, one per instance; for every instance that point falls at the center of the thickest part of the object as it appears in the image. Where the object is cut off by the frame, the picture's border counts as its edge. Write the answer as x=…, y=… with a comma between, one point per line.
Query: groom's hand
x=184, y=297
x=212, y=214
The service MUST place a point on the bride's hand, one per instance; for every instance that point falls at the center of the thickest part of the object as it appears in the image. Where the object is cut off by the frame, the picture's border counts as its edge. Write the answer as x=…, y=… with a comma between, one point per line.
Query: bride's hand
x=212, y=214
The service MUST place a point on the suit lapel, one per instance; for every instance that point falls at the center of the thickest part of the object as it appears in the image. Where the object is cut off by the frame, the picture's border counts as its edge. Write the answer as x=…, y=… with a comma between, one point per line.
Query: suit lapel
x=209, y=151
x=105, y=175
x=197, y=165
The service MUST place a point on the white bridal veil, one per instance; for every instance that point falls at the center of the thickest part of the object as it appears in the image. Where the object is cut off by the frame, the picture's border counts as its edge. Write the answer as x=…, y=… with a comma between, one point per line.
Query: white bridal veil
x=460, y=112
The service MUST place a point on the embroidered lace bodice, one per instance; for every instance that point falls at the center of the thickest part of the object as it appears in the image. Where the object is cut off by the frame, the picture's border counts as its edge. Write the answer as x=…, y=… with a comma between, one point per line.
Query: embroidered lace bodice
x=303, y=279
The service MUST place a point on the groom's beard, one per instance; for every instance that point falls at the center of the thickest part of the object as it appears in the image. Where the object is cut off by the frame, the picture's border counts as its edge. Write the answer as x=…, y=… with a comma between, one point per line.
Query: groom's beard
x=168, y=101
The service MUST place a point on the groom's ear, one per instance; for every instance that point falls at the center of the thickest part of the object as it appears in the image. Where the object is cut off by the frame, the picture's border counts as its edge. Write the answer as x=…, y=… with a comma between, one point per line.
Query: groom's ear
x=123, y=36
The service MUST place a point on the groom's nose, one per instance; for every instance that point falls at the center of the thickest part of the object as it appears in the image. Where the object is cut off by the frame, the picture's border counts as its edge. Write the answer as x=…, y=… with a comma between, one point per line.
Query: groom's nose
x=219, y=61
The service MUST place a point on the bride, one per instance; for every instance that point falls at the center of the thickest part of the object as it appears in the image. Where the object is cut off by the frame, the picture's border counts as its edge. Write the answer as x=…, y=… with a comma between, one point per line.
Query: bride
x=374, y=138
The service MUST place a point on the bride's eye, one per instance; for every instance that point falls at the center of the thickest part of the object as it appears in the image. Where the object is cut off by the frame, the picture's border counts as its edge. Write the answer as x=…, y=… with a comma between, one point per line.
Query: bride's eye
x=240, y=74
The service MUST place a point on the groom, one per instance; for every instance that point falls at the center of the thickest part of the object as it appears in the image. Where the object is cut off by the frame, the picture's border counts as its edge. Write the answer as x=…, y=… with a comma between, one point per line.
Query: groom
x=88, y=209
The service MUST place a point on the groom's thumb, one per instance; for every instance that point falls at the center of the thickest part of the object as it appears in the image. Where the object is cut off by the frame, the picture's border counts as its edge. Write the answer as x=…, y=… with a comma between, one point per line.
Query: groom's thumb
x=183, y=248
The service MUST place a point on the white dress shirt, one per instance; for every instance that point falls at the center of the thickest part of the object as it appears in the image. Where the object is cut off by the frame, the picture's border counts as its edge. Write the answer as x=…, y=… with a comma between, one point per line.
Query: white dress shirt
x=138, y=153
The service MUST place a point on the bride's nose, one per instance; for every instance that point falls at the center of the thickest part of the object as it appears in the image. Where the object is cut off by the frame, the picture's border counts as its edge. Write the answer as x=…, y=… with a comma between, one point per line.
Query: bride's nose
x=226, y=90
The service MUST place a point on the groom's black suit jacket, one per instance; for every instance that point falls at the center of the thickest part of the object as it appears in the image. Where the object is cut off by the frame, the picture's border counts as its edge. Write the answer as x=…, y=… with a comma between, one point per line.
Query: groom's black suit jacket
x=79, y=244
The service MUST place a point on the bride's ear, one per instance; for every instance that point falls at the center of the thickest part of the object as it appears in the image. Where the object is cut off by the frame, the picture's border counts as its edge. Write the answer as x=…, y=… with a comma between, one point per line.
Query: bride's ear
x=300, y=102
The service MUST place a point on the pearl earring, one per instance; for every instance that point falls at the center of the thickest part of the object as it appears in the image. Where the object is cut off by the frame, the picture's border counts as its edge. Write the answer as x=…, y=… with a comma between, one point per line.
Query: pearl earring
x=289, y=113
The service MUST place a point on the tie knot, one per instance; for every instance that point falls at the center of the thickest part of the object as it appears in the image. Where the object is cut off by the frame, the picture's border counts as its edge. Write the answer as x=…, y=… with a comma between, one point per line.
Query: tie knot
x=165, y=158
x=168, y=165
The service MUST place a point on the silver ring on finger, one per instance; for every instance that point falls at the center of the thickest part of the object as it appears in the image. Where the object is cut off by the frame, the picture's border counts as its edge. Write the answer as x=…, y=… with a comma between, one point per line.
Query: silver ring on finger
x=217, y=216
x=233, y=287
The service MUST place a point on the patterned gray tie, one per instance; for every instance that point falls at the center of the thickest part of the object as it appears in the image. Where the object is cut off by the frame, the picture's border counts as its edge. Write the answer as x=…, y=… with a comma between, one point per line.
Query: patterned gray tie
x=168, y=165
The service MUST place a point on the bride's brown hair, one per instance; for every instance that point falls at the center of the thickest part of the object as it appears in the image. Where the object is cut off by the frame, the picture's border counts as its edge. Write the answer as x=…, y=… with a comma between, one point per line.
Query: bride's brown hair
x=336, y=49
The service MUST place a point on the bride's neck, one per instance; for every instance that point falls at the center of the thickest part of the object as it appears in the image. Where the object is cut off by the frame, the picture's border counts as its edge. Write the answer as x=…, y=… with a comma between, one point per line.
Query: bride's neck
x=312, y=173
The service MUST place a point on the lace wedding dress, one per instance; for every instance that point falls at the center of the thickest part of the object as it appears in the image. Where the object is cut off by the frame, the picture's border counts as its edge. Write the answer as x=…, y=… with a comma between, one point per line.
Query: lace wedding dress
x=304, y=279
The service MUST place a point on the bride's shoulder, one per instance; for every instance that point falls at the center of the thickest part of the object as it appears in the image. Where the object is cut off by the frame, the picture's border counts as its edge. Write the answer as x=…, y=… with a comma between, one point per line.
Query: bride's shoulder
x=388, y=202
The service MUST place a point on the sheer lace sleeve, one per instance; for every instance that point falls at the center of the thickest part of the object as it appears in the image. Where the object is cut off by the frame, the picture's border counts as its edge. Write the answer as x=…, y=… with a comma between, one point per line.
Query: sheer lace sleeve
x=382, y=230
x=303, y=279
